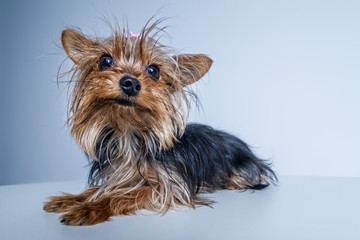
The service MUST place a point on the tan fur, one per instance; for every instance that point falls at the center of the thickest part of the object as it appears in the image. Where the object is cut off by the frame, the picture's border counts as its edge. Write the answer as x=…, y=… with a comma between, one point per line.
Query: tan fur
x=60, y=204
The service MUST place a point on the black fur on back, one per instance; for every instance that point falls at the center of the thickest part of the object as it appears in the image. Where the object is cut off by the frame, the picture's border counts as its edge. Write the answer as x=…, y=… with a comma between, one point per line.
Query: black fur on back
x=207, y=158
x=204, y=158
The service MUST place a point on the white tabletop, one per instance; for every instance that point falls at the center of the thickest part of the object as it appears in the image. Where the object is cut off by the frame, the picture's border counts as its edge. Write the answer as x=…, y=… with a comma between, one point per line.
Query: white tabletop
x=299, y=208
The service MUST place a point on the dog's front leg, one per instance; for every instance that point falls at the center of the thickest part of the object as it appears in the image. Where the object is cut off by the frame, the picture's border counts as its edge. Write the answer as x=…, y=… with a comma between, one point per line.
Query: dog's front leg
x=110, y=204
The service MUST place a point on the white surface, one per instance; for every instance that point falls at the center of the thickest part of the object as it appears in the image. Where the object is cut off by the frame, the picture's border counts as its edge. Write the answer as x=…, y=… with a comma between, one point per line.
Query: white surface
x=299, y=208
x=285, y=78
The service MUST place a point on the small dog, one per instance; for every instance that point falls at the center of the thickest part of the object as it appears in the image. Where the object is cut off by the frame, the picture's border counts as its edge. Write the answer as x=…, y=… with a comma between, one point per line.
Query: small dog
x=128, y=113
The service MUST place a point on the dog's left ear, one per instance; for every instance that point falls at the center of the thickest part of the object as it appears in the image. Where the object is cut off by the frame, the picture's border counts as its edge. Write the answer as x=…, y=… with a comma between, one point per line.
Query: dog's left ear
x=192, y=67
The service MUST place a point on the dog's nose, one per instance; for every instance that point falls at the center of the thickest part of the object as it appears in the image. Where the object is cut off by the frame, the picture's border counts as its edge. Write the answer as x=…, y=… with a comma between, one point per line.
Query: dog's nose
x=130, y=86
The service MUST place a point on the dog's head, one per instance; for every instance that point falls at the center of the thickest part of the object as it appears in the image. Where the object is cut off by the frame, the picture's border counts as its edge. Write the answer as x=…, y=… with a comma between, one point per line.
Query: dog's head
x=129, y=84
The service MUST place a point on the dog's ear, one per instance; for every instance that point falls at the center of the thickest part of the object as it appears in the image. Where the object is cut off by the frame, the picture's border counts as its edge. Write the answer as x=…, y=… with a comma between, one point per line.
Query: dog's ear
x=192, y=67
x=75, y=44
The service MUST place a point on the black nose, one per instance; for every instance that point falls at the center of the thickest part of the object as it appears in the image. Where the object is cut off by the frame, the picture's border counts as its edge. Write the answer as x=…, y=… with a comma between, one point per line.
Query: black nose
x=130, y=86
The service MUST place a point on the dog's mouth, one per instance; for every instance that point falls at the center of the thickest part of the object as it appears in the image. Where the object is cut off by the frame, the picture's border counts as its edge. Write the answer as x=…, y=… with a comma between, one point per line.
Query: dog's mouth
x=125, y=102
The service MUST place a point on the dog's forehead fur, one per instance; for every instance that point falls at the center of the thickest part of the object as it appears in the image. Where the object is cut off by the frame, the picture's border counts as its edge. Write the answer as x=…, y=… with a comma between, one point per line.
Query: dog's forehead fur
x=129, y=52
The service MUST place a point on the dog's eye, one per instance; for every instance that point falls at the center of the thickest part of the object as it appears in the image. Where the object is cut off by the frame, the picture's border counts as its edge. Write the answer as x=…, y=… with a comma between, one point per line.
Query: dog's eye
x=106, y=61
x=154, y=71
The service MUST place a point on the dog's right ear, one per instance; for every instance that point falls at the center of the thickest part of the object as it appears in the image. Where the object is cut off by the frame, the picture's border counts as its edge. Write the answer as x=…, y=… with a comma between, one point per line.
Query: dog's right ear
x=75, y=44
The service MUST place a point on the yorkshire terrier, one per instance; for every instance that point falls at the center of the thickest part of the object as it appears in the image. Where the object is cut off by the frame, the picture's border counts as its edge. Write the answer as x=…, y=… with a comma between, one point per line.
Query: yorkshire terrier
x=128, y=113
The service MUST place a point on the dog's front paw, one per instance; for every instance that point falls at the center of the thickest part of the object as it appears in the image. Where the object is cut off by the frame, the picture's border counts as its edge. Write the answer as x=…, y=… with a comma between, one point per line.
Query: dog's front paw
x=86, y=214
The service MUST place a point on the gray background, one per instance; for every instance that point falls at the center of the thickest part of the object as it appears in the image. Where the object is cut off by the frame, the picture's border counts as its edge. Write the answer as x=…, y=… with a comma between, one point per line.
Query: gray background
x=285, y=79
